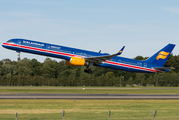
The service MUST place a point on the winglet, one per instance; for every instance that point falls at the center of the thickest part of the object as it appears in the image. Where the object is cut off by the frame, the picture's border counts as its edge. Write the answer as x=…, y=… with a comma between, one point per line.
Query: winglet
x=120, y=52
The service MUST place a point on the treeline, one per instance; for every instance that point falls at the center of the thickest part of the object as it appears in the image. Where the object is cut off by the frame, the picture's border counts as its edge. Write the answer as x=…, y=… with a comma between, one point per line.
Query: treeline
x=27, y=72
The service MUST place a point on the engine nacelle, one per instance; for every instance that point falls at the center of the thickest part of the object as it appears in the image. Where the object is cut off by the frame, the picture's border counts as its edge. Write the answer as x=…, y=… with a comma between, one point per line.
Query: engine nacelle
x=74, y=61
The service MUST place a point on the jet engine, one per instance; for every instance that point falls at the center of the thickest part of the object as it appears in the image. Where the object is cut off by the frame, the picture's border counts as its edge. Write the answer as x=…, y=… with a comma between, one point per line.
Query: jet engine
x=74, y=61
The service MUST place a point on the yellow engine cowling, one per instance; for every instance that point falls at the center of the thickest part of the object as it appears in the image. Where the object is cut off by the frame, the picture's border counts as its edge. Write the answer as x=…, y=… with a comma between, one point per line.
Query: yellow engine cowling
x=68, y=63
x=74, y=61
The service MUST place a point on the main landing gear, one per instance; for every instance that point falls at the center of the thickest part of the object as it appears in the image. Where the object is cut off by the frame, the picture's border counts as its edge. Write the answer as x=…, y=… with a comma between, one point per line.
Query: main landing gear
x=89, y=69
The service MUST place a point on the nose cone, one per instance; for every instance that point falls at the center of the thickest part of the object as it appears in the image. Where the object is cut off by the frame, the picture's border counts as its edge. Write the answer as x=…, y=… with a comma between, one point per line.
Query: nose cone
x=3, y=45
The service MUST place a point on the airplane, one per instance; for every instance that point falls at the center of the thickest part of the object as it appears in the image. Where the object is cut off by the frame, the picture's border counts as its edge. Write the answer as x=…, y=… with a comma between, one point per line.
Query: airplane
x=78, y=57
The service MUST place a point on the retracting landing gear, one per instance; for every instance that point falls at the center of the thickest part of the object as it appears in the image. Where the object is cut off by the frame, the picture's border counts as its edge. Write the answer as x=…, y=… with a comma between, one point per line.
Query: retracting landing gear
x=89, y=69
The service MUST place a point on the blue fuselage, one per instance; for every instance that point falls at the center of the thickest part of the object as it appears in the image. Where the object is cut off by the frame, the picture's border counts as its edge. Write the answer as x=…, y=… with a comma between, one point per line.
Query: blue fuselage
x=66, y=53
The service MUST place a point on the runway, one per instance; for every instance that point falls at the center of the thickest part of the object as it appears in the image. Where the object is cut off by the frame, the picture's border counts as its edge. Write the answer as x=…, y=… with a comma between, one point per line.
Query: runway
x=79, y=88
x=85, y=96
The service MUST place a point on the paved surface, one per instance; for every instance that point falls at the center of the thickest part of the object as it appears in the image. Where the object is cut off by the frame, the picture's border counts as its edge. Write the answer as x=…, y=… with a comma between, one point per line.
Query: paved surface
x=84, y=87
x=84, y=96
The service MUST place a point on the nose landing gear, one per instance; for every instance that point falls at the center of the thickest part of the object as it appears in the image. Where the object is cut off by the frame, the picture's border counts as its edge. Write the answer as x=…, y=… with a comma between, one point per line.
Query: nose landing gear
x=18, y=55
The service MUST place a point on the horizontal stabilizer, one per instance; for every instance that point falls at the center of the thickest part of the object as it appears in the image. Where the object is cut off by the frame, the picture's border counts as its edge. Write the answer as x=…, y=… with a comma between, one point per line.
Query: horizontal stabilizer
x=163, y=68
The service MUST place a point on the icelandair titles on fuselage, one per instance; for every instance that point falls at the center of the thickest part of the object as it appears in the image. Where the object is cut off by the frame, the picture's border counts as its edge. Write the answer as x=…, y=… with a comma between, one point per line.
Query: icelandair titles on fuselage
x=32, y=43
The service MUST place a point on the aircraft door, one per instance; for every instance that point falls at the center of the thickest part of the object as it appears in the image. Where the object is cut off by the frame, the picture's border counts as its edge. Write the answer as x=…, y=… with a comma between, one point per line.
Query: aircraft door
x=145, y=64
x=48, y=47
x=19, y=42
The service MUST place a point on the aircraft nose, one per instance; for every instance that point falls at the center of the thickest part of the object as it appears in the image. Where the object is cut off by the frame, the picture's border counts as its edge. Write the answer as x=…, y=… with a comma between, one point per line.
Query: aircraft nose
x=3, y=45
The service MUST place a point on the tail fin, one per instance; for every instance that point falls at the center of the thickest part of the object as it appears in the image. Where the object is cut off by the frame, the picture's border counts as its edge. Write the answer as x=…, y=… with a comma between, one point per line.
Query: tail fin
x=161, y=56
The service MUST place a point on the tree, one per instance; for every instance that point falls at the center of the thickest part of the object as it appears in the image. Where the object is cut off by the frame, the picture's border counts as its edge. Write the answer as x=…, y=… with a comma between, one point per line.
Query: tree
x=130, y=81
x=8, y=69
x=49, y=68
x=71, y=79
x=140, y=78
x=140, y=58
x=6, y=61
x=35, y=67
x=109, y=78
x=23, y=67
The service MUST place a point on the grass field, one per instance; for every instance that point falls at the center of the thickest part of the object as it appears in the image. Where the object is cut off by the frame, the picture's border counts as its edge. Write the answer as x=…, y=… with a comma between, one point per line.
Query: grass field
x=89, y=109
x=91, y=90
x=51, y=109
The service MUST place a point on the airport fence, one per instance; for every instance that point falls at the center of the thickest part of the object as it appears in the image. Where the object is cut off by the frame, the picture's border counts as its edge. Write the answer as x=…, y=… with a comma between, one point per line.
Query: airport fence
x=67, y=116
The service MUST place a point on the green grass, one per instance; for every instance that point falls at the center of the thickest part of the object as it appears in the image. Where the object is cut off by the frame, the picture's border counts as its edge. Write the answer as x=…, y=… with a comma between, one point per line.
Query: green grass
x=89, y=90
x=89, y=109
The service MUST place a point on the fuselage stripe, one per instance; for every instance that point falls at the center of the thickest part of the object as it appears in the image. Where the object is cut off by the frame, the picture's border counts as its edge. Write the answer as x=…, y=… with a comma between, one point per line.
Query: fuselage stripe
x=134, y=67
x=71, y=55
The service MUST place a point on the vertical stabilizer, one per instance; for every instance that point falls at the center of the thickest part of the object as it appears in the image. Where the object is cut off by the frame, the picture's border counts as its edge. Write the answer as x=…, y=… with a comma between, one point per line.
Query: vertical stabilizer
x=161, y=56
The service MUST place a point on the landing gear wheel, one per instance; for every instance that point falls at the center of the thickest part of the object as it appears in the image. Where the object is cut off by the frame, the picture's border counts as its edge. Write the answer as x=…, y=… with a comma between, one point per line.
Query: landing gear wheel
x=86, y=70
x=89, y=71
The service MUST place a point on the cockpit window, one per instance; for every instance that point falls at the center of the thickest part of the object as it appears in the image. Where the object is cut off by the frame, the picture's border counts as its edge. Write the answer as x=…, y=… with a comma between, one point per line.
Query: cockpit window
x=9, y=41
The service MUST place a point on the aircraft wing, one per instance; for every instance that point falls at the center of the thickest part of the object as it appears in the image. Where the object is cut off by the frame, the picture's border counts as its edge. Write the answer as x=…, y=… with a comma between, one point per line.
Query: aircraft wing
x=100, y=59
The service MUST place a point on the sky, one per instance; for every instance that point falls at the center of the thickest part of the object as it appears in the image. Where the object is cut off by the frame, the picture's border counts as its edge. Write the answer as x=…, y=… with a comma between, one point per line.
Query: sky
x=144, y=27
